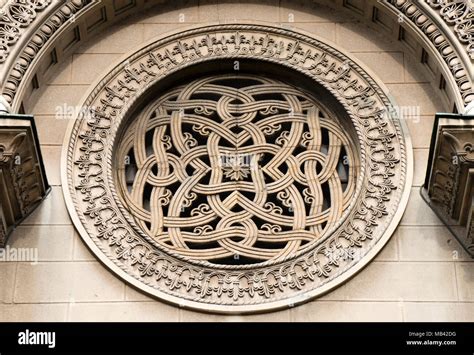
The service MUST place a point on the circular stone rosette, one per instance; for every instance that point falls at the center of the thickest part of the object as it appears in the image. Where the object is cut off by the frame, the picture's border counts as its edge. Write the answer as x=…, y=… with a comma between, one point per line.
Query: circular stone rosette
x=319, y=182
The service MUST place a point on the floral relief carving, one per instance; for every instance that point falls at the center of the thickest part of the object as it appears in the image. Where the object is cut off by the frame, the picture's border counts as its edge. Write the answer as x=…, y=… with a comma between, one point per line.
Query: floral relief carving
x=11, y=29
x=414, y=13
x=119, y=230
x=460, y=15
x=15, y=16
x=37, y=42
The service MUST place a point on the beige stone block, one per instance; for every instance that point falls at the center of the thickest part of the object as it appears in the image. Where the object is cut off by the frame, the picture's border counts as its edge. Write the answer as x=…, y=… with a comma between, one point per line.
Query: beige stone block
x=116, y=39
x=389, y=251
x=416, y=95
x=235, y=10
x=438, y=312
x=420, y=164
x=465, y=279
x=58, y=100
x=356, y=37
x=429, y=244
x=43, y=282
x=51, y=243
x=307, y=11
x=60, y=73
x=7, y=280
x=177, y=11
x=159, y=30
x=86, y=68
x=326, y=31
x=81, y=251
x=388, y=66
x=335, y=311
x=420, y=131
x=191, y=316
x=400, y=281
x=52, y=163
x=33, y=313
x=123, y=312
x=51, y=130
x=93, y=282
x=51, y=211
x=415, y=72
x=132, y=294
x=208, y=11
x=66, y=282
x=418, y=213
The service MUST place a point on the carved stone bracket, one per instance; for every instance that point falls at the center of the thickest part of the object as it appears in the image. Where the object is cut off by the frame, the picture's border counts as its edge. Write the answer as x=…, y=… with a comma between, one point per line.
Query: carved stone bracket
x=4, y=106
x=449, y=184
x=23, y=182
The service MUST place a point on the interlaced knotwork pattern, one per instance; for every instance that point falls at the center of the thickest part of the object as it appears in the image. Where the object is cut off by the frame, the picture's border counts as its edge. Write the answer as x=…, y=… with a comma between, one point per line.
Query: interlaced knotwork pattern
x=231, y=193
x=238, y=167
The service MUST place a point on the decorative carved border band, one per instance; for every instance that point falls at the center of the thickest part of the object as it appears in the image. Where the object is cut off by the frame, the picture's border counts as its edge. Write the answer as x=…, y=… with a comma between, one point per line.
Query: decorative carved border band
x=458, y=14
x=439, y=40
x=15, y=16
x=362, y=231
x=36, y=43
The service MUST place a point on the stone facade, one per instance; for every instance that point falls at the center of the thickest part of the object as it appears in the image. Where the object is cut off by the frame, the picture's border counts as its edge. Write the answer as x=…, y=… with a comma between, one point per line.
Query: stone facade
x=422, y=274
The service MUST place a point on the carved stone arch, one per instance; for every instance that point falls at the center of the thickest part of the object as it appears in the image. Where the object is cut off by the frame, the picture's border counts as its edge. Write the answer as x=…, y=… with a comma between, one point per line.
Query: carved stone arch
x=34, y=40
x=113, y=221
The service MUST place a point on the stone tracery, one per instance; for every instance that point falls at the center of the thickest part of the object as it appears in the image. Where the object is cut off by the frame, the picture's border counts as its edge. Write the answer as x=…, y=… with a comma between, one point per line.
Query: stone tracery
x=236, y=165
x=117, y=230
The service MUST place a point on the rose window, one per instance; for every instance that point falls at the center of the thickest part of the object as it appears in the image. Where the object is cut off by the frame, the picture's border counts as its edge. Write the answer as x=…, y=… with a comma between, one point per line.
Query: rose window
x=236, y=169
